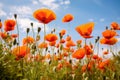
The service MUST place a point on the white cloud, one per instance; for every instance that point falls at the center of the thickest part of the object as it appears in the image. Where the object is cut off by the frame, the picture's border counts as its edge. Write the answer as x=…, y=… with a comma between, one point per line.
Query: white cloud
x=49, y=3
x=35, y=2
x=52, y=4
x=22, y=10
x=102, y=20
x=91, y=19
x=24, y=23
x=2, y=13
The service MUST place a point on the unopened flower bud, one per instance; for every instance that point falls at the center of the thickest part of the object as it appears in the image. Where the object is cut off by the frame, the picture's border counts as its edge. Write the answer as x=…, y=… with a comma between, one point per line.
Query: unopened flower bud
x=15, y=16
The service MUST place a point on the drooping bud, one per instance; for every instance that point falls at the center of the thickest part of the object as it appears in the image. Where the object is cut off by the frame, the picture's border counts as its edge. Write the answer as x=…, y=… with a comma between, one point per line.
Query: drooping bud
x=39, y=29
x=28, y=29
x=31, y=24
x=15, y=16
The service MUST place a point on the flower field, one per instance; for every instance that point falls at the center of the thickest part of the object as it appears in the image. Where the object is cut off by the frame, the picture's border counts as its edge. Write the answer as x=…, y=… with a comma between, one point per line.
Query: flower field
x=57, y=56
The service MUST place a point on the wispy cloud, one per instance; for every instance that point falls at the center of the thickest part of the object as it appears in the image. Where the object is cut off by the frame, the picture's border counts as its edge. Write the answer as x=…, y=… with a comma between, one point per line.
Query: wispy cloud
x=2, y=12
x=24, y=10
x=52, y=4
x=91, y=19
x=102, y=20
x=24, y=23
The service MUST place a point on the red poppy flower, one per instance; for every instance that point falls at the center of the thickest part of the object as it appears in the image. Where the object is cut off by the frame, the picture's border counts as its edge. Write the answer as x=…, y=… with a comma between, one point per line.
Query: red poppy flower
x=115, y=26
x=21, y=51
x=109, y=34
x=110, y=41
x=0, y=24
x=67, y=18
x=51, y=37
x=9, y=25
x=44, y=15
x=28, y=40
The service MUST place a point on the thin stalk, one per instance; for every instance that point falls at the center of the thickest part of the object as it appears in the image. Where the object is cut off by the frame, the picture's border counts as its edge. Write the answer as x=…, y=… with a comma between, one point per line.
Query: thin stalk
x=44, y=32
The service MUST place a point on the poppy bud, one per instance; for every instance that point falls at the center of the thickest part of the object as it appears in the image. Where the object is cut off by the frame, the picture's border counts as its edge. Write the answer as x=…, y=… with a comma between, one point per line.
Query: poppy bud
x=54, y=30
x=15, y=16
x=28, y=29
x=31, y=24
x=14, y=42
x=39, y=29
x=106, y=27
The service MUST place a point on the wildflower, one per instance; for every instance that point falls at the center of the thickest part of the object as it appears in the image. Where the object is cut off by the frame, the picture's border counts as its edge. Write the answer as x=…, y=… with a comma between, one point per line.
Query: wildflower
x=0, y=24
x=85, y=30
x=70, y=43
x=111, y=41
x=109, y=34
x=14, y=35
x=9, y=25
x=43, y=45
x=62, y=32
x=88, y=50
x=68, y=38
x=115, y=26
x=79, y=54
x=28, y=40
x=67, y=18
x=52, y=43
x=21, y=51
x=44, y=15
x=51, y=37
x=79, y=41
x=95, y=57
x=3, y=35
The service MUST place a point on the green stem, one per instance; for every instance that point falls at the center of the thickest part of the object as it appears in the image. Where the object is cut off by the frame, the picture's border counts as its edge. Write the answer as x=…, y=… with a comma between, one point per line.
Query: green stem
x=44, y=32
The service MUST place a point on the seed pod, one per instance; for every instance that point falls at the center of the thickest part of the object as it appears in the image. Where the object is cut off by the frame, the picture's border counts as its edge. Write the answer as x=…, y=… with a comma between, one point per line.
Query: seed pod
x=15, y=16
x=39, y=29
x=28, y=29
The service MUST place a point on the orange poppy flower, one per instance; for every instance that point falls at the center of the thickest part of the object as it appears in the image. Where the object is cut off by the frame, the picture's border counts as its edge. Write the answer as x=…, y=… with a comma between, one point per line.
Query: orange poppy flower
x=48, y=56
x=51, y=37
x=95, y=57
x=79, y=54
x=65, y=54
x=14, y=35
x=67, y=18
x=43, y=45
x=115, y=26
x=62, y=41
x=9, y=25
x=103, y=64
x=62, y=32
x=70, y=43
x=85, y=30
x=111, y=41
x=79, y=41
x=28, y=40
x=68, y=38
x=109, y=34
x=88, y=50
x=3, y=35
x=0, y=24
x=44, y=15
x=83, y=69
x=52, y=43
x=21, y=51
x=59, y=66
x=105, y=52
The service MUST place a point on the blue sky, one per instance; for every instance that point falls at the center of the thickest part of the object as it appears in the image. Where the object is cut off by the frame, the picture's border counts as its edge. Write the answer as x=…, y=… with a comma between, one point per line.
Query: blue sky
x=102, y=12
